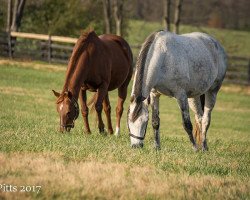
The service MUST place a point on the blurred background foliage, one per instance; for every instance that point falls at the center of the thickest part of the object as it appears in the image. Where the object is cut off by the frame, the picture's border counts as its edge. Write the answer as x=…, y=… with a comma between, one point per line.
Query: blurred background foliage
x=69, y=18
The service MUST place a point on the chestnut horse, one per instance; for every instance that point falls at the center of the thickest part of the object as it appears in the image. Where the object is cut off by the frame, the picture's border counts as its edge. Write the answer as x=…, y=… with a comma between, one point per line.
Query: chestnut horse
x=98, y=64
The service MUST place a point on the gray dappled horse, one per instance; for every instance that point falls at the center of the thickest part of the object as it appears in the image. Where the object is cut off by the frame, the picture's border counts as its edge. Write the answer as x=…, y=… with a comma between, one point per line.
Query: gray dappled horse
x=188, y=67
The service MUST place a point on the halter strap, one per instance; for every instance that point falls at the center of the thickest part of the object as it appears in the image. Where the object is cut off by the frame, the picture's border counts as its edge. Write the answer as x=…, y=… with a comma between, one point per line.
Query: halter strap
x=137, y=137
x=132, y=135
x=76, y=106
x=75, y=103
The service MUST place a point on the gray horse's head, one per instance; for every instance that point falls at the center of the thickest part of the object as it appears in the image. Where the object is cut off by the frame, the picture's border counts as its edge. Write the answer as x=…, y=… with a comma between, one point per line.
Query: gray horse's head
x=137, y=121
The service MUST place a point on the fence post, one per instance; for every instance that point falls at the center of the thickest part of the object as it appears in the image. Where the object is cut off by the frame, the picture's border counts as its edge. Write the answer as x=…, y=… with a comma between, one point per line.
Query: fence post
x=49, y=49
x=248, y=77
x=9, y=44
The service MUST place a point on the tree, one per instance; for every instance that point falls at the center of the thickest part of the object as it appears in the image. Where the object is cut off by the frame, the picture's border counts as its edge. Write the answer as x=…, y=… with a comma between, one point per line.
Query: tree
x=65, y=18
x=177, y=16
x=166, y=6
x=17, y=14
x=118, y=15
x=9, y=15
x=107, y=16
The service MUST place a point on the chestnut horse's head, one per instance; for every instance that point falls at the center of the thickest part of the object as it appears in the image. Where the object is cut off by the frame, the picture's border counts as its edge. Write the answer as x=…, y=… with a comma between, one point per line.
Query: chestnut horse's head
x=68, y=110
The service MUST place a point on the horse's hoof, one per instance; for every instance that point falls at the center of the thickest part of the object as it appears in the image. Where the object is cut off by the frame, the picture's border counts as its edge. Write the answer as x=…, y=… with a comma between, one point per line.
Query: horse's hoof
x=117, y=132
x=87, y=132
x=157, y=147
x=103, y=132
x=204, y=148
x=195, y=148
x=139, y=145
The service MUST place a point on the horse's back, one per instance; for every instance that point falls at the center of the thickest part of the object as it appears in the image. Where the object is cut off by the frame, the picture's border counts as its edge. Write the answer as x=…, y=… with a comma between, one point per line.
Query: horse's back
x=218, y=54
x=120, y=57
x=194, y=61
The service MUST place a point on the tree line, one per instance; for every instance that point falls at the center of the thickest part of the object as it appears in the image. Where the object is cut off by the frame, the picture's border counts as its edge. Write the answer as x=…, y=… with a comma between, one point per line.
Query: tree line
x=61, y=17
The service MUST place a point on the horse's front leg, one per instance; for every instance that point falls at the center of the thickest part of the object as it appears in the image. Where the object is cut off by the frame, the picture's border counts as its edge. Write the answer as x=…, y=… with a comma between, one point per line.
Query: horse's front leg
x=85, y=110
x=154, y=101
x=101, y=93
x=183, y=104
x=107, y=110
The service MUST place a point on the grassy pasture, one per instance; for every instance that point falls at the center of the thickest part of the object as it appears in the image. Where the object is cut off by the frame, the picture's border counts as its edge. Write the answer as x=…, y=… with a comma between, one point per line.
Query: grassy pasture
x=79, y=166
x=235, y=42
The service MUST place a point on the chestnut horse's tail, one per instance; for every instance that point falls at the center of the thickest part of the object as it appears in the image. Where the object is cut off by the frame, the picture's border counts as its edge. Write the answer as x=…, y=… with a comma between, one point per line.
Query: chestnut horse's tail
x=197, y=130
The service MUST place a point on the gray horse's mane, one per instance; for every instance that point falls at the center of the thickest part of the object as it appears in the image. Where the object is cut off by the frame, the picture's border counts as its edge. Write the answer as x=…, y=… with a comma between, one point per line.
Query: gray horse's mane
x=140, y=65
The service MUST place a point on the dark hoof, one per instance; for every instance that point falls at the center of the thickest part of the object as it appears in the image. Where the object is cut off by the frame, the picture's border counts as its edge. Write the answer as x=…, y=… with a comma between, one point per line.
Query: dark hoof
x=204, y=149
x=140, y=145
x=157, y=147
x=103, y=132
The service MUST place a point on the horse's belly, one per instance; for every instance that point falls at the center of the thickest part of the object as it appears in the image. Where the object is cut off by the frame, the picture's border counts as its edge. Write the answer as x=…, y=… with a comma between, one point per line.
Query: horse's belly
x=118, y=77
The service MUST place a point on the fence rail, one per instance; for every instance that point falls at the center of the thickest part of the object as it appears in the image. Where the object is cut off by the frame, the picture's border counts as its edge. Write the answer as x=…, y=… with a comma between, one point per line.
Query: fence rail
x=58, y=49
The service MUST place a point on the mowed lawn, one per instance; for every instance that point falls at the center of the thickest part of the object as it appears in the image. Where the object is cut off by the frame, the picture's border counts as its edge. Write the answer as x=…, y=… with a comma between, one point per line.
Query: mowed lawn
x=80, y=166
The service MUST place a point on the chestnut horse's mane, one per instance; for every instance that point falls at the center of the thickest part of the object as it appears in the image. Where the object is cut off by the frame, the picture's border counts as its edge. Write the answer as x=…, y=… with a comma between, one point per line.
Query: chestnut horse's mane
x=81, y=44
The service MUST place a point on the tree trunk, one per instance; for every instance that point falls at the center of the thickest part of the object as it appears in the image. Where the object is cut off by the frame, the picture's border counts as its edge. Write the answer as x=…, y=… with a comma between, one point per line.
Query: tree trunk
x=107, y=16
x=166, y=6
x=139, y=9
x=9, y=15
x=177, y=16
x=17, y=14
x=118, y=15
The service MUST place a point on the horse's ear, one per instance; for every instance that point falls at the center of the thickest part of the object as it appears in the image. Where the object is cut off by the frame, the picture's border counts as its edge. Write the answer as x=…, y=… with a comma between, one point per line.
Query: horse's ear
x=56, y=93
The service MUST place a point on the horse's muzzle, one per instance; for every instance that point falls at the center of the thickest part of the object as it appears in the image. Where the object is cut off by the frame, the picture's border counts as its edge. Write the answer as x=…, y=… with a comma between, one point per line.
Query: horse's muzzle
x=66, y=128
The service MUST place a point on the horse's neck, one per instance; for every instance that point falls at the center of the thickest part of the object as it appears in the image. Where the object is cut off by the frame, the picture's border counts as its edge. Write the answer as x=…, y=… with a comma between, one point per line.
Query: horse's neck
x=76, y=76
x=150, y=75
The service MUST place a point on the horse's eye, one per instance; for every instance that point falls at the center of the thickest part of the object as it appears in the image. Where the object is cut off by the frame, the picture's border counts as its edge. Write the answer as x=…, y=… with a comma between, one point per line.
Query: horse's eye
x=68, y=114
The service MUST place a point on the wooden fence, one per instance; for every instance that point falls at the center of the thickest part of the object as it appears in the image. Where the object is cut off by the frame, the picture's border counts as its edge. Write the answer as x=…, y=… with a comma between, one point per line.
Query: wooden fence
x=58, y=49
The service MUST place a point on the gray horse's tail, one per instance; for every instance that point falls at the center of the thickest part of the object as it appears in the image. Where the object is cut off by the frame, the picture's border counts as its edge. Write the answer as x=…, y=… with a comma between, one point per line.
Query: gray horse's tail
x=197, y=130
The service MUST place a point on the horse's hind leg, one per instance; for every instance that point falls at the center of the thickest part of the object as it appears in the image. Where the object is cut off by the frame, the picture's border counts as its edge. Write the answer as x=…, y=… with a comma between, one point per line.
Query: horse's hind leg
x=101, y=94
x=154, y=101
x=85, y=110
x=107, y=110
x=122, y=94
x=210, y=99
x=196, y=106
x=183, y=104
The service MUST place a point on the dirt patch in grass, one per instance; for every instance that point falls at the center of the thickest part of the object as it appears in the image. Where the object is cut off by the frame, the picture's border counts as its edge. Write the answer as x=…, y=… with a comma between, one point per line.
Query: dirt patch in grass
x=33, y=65
x=93, y=180
x=242, y=89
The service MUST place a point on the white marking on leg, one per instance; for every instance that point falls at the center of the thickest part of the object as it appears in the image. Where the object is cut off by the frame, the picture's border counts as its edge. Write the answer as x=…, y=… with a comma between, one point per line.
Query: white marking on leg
x=117, y=131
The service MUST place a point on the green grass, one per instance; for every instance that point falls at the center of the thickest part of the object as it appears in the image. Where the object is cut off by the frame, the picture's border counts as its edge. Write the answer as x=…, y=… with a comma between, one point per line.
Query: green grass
x=77, y=165
x=235, y=42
